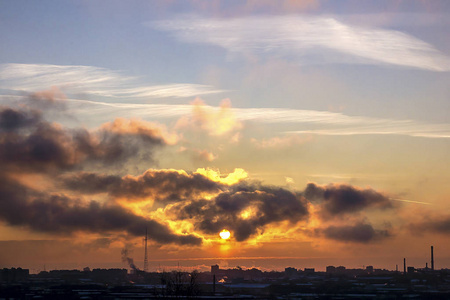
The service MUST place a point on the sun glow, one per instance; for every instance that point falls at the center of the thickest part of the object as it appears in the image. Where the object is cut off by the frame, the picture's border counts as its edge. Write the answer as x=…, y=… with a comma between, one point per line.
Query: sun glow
x=139, y=208
x=248, y=213
x=232, y=178
x=225, y=234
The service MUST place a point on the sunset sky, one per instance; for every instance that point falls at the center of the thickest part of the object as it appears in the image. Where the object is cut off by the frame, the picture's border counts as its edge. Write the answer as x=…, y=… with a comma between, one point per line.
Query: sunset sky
x=316, y=132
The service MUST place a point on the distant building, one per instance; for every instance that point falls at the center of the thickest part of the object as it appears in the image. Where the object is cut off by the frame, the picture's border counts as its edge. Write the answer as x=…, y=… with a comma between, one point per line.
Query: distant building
x=411, y=270
x=290, y=272
x=369, y=269
x=310, y=270
x=253, y=274
x=14, y=275
x=340, y=269
x=215, y=269
x=331, y=269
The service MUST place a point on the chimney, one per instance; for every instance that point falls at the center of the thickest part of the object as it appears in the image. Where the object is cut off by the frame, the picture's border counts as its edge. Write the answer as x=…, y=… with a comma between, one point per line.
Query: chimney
x=432, y=259
x=404, y=266
x=145, y=253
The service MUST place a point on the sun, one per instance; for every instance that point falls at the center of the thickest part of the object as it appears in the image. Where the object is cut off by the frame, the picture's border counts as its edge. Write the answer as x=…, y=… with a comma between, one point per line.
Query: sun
x=225, y=234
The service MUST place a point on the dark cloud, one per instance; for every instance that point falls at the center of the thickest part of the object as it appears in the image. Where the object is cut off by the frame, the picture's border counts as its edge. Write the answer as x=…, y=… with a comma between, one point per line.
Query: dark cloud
x=245, y=210
x=358, y=233
x=438, y=224
x=162, y=185
x=110, y=147
x=30, y=143
x=59, y=214
x=11, y=119
x=45, y=147
x=341, y=199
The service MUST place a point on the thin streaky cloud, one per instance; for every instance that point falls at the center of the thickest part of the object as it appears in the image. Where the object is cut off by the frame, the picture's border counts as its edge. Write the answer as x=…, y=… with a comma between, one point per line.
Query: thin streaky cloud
x=92, y=80
x=370, y=176
x=309, y=121
x=389, y=128
x=411, y=201
x=347, y=125
x=160, y=91
x=322, y=39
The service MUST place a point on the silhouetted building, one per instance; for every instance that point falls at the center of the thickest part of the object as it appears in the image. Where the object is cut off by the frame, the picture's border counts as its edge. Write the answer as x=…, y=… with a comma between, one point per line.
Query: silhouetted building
x=253, y=274
x=14, y=275
x=331, y=269
x=290, y=272
x=215, y=269
x=340, y=269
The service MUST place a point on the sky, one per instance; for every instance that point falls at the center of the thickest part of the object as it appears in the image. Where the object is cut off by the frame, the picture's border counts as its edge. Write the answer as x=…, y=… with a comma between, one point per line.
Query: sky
x=316, y=132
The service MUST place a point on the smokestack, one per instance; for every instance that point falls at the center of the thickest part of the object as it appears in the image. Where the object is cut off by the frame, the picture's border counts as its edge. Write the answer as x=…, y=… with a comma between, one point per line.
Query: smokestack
x=145, y=253
x=432, y=259
x=404, y=266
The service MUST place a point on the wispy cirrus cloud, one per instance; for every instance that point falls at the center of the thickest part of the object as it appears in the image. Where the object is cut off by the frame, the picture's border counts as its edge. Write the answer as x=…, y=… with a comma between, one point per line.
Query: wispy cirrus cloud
x=386, y=127
x=308, y=121
x=91, y=80
x=307, y=39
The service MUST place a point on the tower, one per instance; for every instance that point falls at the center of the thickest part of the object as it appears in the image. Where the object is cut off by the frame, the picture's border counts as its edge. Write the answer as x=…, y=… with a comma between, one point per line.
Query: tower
x=432, y=259
x=145, y=253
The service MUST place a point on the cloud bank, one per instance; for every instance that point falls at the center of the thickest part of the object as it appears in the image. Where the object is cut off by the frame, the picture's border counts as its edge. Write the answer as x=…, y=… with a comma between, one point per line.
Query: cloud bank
x=436, y=224
x=359, y=233
x=245, y=210
x=160, y=185
x=341, y=199
x=29, y=144
x=164, y=201
x=61, y=215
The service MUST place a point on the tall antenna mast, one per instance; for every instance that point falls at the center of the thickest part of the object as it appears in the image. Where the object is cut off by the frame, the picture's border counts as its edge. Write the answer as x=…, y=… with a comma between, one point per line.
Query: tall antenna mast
x=145, y=255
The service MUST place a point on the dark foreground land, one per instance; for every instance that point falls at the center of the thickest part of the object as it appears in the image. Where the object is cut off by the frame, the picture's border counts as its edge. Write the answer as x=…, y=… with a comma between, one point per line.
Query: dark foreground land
x=336, y=283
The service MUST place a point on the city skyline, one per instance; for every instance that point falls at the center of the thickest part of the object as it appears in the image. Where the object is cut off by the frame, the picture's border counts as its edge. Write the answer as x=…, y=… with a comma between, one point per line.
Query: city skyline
x=134, y=268
x=241, y=133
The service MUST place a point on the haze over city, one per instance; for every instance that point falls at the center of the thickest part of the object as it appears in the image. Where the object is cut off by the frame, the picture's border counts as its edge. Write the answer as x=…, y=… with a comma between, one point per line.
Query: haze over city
x=260, y=134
